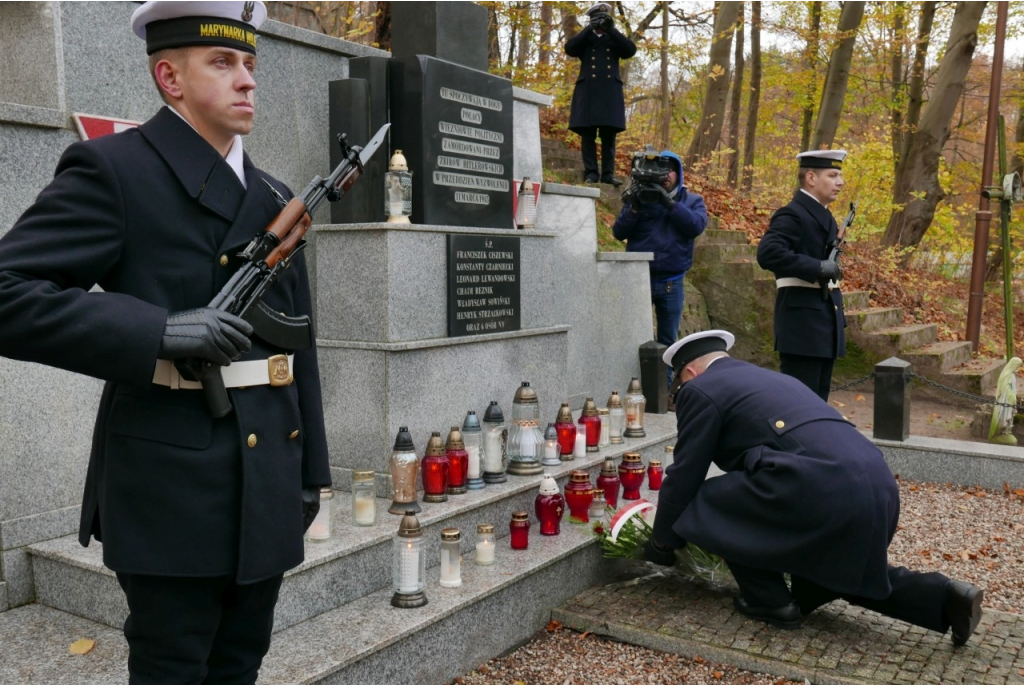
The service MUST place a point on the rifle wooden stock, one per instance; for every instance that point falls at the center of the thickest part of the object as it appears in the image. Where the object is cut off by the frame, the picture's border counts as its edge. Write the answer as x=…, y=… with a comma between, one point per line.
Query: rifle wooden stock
x=294, y=237
x=286, y=219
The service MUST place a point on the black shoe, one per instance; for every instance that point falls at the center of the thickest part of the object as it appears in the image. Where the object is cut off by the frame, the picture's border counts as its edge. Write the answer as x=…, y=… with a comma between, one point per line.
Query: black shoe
x=611, y=180
x=591, y=178
x=787, y=617
x=963, y=610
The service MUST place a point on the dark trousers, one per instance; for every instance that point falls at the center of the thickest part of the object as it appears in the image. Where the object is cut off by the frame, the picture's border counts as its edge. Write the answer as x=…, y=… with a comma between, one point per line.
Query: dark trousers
x=588, y=149
x=916, y=597
x=186, y=631
x=667, y=298
x=814, y=372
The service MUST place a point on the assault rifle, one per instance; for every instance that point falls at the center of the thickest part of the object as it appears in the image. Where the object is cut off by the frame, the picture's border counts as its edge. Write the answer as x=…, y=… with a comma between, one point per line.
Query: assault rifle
x=266, y=256
x=837, y=245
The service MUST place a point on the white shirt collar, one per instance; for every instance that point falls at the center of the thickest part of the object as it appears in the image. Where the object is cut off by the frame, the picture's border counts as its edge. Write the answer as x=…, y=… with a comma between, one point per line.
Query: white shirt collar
x=234, y=156
x=712, y=362
x=811, y=196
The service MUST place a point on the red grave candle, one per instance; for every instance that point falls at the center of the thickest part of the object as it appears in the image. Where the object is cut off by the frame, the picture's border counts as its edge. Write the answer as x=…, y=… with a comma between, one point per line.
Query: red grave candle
x=549, y=506
x=609, y=482
x=655, y=474
x=519, y=530
x=579, y=493
x=458, y=462
x=434, y=470
x=566, y=432
x=631, y=473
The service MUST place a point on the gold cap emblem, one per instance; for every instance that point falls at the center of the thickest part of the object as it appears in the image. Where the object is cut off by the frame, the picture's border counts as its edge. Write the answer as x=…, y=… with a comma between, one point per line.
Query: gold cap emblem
x=247, y=9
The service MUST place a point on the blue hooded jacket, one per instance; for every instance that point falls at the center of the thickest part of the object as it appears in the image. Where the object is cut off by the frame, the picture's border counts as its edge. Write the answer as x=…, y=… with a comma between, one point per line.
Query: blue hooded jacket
x=667, y=233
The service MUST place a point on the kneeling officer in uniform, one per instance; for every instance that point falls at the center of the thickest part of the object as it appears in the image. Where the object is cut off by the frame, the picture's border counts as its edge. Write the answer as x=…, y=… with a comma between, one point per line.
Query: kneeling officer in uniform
x=778, y=442
x=199, y=516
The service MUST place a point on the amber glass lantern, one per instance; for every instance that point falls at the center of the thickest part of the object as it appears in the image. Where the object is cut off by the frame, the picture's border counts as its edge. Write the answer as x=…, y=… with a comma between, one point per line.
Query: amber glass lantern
x=579, y=493
x=435, y=470
x=631, y=473
x=405, y=467
x=636, y=404
x=609, y=483
x=409, y=565
x=590, y=422
x=495, y=439
x=458, y=462
x=524, y=437
x=398, y=190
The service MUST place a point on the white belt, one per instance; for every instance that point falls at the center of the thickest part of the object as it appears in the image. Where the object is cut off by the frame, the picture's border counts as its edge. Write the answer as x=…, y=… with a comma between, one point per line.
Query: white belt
x=275, y=371
x=792, y=282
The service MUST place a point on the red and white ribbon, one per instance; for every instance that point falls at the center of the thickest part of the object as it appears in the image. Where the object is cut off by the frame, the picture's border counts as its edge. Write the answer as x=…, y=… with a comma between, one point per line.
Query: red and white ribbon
x=622, y=515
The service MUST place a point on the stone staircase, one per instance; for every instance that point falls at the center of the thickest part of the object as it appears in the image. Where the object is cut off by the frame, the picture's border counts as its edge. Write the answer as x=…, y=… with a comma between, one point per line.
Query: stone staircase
x=334, y=622
x=740, y=297
x=566, y=166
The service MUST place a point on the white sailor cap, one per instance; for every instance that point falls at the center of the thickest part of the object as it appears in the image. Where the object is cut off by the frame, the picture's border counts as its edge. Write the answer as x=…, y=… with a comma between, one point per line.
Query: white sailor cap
x=164, y=24
x=605, y=7
x=821, y=159
x=696, y=345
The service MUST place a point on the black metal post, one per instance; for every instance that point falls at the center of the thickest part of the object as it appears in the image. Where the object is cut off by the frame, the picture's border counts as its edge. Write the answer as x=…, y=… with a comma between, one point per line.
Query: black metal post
x=892, y=399
x=653, y=377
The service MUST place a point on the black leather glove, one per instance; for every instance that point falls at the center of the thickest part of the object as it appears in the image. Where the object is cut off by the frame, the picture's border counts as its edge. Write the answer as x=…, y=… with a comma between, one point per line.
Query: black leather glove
x=310, y=507
x=666, y=199
x=205, y=333
x=663, y=556
x=830, y=270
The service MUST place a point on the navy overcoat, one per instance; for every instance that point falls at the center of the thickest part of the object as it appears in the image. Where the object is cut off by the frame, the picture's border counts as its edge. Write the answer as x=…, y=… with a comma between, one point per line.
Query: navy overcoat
x=597, y=99
x=803, y=492
x=796, y=241
x=155, y=217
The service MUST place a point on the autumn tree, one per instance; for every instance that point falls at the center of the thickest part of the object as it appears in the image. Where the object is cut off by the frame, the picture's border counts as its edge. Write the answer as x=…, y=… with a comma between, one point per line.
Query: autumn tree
x=833, y=93
x=708, y=132
x=755, y=95
x=734, y=106
x=810, y=67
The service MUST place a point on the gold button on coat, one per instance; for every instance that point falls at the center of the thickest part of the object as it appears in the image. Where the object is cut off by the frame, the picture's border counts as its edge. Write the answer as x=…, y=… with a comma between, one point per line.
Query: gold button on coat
x=223, y=260
x=252, y=440
x=780, y=424
x=294, y=435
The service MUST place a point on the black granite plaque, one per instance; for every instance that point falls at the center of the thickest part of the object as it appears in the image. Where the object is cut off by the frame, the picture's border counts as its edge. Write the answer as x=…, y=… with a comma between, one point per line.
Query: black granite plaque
x=454, y=125
x=483, y=284
x=452, y=31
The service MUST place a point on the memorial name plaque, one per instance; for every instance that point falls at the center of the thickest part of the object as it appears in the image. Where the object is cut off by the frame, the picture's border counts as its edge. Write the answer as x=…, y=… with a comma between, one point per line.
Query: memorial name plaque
x=454, y=125
x=483, y=284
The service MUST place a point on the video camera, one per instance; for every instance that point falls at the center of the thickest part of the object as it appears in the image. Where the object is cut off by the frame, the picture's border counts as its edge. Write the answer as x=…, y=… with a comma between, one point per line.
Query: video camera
x=648, y=174
x=602, y=21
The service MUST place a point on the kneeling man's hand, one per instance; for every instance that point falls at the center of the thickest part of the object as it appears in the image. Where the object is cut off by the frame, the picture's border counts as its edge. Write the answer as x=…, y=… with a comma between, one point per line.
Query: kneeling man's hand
x=310, y=507
x=663, y=556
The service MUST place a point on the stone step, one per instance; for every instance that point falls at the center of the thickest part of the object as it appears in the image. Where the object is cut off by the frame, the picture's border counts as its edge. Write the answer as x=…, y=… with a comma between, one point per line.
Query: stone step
x=938, y=357
x=355, y=562
x=749, y=270
x=856, y=299
x=977, y=377
x=713, y=235
x=898, y=340
x=873, y=319
x=727, y=252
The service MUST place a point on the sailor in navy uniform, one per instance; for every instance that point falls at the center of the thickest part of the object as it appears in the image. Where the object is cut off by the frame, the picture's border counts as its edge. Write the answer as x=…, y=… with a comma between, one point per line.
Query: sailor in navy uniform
x=598, y=108
x=809, y=320
x=199, y=517
x=803, y=493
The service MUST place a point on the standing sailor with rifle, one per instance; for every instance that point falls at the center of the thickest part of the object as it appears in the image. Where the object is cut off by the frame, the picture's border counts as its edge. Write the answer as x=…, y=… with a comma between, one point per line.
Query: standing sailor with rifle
x=798, y=249
x=199, y=516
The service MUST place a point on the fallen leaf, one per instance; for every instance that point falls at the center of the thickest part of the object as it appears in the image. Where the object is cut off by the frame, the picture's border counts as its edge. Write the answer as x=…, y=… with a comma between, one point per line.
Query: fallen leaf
x=858, y=398
x=1019, y=492
x=83, y=646
x=925, y=552
x=913, y=488
x=584, y=635
x=837, y=403
x=965, y=555
x=1006, y=487
x=999, y=538
x=698, y=660
x=553, y=625
x=947, y=556
x=717, y=675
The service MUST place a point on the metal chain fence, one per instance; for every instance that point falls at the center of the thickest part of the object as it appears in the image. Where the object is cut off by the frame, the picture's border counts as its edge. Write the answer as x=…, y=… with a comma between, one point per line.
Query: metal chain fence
x=935, y=384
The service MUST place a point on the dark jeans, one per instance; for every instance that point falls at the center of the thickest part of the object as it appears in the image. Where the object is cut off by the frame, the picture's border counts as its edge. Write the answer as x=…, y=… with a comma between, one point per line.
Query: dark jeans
x=588, y=150
x=667, y=298
x=814, y=372
x=187, y=631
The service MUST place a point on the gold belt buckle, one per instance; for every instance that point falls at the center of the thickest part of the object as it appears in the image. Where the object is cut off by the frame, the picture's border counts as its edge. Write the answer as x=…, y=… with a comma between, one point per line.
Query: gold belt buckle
x=277, y=368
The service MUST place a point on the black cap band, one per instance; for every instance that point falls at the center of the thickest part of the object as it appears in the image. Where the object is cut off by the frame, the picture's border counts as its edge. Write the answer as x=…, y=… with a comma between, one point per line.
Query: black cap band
x=698, y=348
x=187, y=31
x=819, y=163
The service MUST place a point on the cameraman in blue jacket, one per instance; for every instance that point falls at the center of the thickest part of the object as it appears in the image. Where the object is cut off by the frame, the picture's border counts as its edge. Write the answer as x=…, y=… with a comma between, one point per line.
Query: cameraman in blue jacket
x=662, y=218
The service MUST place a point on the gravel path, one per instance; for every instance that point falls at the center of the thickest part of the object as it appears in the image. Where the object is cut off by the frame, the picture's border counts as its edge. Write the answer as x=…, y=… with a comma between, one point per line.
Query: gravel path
x=969, y=534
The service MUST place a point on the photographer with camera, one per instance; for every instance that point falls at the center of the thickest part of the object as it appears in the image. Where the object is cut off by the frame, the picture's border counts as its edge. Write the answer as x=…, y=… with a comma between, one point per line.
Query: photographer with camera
x=598, y=107
x=660, y=216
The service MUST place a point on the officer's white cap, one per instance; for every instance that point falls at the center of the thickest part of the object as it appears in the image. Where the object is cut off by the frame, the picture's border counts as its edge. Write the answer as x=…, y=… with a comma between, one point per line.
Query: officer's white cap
x=599, y=7
x=684, y=351
x=821, y=159
x=248, y=16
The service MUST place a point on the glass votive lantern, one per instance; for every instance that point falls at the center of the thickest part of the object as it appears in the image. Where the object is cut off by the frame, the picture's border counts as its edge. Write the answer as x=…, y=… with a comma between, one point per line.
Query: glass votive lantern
x=608, y=482
x=485, y=543
x=364, y=498
x=579, y=493
x=495, y=438
x=526, y=207
x=519, y=530
x=434, y=470
x=458, y=462
x=473, y=437
x=655, y=474
x=405, y=468
x=566, y=432
x=605, y=439
x=524, y=436
x=320, y=529
x=409, y=567
x=451, y=557
x=579, y=447
x=631, y=473
x=616, y=419
x=552, y=452
x=590, y=423
x=635, y=406
x=398, y=190
x=596, y=509
x=549, y=506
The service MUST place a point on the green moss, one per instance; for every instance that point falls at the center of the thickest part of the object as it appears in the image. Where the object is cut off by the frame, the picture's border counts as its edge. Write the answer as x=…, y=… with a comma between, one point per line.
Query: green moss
x=856, y=364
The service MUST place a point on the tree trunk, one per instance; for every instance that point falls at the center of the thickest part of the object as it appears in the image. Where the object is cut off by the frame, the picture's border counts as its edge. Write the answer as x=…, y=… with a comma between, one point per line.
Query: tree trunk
x=917, y=190
x=915, y=90
x=735, y=102
x=833, y=93
x=666, y=103
x=546, y=21
x=382, y=26
x=810, y=68
x=709, y=130
x=493, y=46
x=755, y=95
x=525, y=14
x=898, y=82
